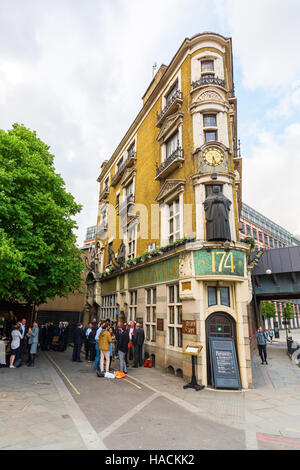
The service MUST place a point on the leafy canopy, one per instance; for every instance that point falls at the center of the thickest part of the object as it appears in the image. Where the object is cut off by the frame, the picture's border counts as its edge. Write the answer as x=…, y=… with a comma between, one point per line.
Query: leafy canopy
x=268, y=309
x=38, y=255
x=288, y=313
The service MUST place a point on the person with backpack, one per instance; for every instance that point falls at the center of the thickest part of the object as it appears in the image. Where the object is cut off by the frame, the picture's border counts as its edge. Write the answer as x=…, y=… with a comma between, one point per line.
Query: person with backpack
x=15, y=344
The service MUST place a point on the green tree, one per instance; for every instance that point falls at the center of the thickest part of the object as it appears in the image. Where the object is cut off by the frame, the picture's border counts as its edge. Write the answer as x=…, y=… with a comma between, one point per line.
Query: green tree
x=38, y=255
x=267, y=309
x=287, y=315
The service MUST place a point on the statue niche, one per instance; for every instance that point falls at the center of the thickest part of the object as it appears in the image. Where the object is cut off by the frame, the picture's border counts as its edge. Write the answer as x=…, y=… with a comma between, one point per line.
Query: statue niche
x=217, y=208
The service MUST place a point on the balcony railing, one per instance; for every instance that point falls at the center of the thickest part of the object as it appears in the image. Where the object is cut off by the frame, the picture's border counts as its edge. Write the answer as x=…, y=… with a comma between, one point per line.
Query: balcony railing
x=130, y=160
x=104, y=193
x=212, y=80
x=128, y=201
x=173, y=102
x=175, y=160
x=102, y=229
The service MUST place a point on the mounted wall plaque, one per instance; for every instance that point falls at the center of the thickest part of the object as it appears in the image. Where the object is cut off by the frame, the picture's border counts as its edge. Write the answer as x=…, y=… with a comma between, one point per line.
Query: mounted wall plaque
x=189, y=327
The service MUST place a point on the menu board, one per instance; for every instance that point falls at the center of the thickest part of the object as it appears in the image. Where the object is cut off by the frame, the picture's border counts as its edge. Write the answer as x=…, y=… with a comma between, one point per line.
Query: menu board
x=224, y=364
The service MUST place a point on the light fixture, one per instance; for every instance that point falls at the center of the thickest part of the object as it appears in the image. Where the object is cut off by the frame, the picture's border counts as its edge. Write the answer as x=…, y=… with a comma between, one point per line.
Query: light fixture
x=268, y=271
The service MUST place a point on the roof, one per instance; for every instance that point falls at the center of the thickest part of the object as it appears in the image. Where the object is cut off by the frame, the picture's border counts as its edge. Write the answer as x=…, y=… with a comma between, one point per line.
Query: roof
x=279, y=260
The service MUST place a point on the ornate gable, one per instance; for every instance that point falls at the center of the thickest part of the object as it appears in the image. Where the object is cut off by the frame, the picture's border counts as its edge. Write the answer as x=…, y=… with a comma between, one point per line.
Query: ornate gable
x=169, y=188
x=127, y=176
x=170, y=122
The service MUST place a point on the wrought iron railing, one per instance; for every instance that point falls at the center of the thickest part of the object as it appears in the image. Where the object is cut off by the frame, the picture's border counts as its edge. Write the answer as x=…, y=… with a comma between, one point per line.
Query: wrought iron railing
x=177, y=95
x=124, y=204
x=102, y=228
x=131, y=154
x=177, y=154
x=212, y=80
x=105, y=190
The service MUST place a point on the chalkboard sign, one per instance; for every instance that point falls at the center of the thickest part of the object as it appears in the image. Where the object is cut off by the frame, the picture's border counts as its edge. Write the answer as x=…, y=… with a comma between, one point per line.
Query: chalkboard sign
x=224, y=365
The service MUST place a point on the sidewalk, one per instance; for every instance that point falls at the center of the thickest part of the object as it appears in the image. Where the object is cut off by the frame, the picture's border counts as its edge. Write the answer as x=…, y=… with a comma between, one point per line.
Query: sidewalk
x=40, y=409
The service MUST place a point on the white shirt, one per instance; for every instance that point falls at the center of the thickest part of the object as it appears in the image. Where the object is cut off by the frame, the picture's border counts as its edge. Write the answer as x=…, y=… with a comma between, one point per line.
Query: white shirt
x=98, y=334
x=130, y=333
x=16, y=337
x=22, y=331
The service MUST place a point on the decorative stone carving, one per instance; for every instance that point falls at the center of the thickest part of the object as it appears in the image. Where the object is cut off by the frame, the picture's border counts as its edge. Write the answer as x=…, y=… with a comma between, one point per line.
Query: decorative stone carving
x=171, y=121
x=127, y=177
x=210, y=96
x=169, y=187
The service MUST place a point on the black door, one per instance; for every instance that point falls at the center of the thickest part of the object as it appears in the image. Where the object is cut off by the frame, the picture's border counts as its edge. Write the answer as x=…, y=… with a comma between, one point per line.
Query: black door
x=220, y=325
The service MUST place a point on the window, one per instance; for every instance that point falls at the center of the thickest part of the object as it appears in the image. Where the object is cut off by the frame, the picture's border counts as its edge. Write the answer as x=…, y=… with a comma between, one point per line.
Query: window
x=224, y=296
x=212, y=296
x=271, y=242
x=129, y=190
x=207, y=66
x=110, y=247
x=174, y=317
x=118, y=200
x=152, y=246
x=254, y=233
x=248, y=229
x=151, y=315
x=210, y=136
x=260, y=236
x=170, y=95
x=242, y=227
x=131, y=242
x=131, y=150
x=174, y=221
x=109, y=306
x=172, y=144
x=106, y=184
x=209, y=120
x=276, y=243
x=209, y=189
x=266, y=239
x=119, y=164
x=218, y=296
x=132, y=305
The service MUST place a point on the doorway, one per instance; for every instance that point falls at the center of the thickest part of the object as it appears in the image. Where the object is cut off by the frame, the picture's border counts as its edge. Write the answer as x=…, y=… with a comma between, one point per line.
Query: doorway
x=220, y=325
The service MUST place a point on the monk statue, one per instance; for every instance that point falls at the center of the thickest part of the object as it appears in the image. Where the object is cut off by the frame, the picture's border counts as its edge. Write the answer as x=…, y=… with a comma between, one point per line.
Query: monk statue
x=217, y=208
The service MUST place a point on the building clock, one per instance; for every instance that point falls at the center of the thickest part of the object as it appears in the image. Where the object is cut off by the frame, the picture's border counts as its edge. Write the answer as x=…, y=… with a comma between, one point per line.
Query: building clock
x=213, y=156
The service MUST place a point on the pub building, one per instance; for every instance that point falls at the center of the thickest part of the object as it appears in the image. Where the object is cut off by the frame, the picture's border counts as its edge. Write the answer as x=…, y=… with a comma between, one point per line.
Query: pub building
x=167, y=252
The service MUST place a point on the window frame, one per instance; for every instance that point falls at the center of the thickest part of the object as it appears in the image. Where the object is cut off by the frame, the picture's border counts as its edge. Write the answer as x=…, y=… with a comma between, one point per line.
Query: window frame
x=174, y=329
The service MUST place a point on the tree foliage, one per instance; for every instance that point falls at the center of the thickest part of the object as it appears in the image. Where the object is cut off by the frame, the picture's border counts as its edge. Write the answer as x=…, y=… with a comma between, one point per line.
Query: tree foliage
x=267, y=309
x=38, y=255
x=288, y=313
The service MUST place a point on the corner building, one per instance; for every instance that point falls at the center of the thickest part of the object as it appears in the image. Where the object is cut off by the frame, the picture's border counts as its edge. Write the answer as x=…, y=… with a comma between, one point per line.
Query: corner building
x=153, y=262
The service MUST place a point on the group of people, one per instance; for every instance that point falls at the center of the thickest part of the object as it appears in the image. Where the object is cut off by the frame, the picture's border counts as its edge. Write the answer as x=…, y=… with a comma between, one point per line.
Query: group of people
x=48, y=331
x=107, y=340
x=262, y=337
x=19, y=335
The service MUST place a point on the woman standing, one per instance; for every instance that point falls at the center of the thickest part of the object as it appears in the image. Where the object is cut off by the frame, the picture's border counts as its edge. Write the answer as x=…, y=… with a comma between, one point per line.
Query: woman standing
x=15, y=344
x=92, y=344
x=33, y=339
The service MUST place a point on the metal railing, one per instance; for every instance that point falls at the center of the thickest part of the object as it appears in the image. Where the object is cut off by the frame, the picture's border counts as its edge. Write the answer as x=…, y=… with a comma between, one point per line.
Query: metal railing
x=121, y=168
x=177, y=95
x=124, y=204
x=212, y=80
x=105, y=190
x=177, y=154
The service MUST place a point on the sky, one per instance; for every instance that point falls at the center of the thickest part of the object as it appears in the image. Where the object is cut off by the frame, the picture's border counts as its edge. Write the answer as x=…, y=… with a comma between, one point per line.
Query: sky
x=76, y=70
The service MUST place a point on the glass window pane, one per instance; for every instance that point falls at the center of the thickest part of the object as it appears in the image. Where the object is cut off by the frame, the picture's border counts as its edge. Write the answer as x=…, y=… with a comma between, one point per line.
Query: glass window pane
x=154, y=314
x=179, y=315
x=212, y=296
x=179, y=337
x=171, y=336
x=154, y=296
x=207, y=66
x=224, y=295
x=171, y=294
x=210, y=136
x=148, y=314
x=148, y=296
x=210, y=120
x=171, y=315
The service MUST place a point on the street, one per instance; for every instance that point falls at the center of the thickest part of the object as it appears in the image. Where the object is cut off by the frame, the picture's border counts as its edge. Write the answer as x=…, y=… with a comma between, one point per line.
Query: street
x=64, y=405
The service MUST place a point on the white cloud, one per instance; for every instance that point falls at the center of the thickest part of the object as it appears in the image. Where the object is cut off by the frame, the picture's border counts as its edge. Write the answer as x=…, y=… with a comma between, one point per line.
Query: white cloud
x=271, y=177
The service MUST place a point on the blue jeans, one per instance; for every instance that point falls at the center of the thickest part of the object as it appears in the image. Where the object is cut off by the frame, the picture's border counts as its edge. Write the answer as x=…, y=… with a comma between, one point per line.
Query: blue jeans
x=123, y=367
x=97, y=360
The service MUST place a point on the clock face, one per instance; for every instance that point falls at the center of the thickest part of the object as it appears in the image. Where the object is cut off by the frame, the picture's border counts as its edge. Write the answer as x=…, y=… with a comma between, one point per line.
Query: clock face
x=213, y=156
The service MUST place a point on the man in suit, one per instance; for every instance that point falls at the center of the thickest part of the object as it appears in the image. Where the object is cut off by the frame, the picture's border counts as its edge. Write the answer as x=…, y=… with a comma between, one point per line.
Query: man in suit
x=22, y=331
x=66, y=335
x=138, y=341
x=78, y=338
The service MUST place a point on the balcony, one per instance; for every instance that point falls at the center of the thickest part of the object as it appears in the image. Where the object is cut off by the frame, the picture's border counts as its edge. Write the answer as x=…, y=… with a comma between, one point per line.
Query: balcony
x=175, y=160
x=124, y=207
x=102, y=229
x=172, y=105
x=104, y=194
x=211, y=80
x=129, y=162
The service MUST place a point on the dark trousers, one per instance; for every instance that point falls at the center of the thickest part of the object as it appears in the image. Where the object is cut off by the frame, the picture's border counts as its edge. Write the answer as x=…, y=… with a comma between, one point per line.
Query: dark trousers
x=19, y=351
x=130, y=353
x=138, y=355
x=87, y=349
x=262, y=349
x=76, y=352
x=92, y=349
